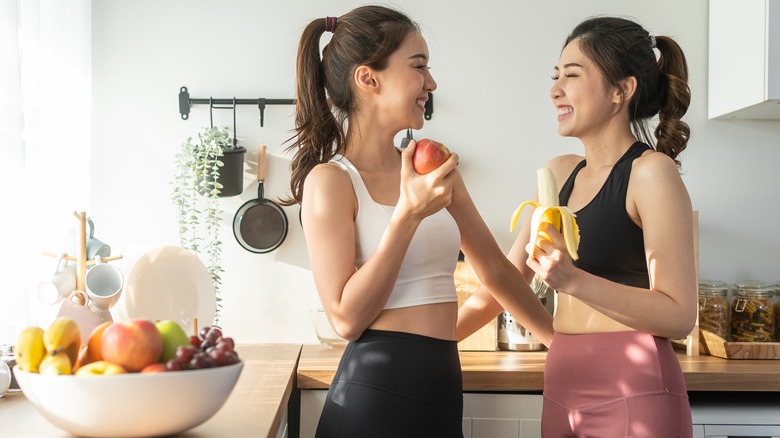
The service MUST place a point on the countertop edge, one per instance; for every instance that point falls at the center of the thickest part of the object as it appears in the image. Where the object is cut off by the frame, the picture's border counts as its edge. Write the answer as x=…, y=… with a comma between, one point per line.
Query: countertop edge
x=507, y=371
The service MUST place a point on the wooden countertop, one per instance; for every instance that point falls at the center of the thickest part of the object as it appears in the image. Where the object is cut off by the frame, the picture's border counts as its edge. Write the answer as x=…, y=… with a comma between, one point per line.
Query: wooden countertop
x=496, y=371
x=255, y=408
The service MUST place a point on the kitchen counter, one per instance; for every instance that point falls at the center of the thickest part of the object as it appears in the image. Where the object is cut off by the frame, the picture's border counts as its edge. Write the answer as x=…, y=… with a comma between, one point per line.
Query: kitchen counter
x=257, y=407
x=499, y=371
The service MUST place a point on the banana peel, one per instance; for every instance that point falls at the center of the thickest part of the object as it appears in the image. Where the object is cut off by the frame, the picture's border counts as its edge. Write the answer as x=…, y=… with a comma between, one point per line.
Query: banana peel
x=548, y=210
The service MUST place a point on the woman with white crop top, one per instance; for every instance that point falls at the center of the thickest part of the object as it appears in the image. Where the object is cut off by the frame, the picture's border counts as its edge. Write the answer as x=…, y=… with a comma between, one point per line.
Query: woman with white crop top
x=383, y=240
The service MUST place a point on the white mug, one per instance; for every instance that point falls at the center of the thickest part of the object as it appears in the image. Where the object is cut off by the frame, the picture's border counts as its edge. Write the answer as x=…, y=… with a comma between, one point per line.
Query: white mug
x=95, y=247
x=104, y=287
x=61, y=283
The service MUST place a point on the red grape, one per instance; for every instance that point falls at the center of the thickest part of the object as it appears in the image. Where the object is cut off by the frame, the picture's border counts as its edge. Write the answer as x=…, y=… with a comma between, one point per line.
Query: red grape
x=228, y=341
x=207, y=349
x=173, y=365
x=184, y=353
x=213, y=334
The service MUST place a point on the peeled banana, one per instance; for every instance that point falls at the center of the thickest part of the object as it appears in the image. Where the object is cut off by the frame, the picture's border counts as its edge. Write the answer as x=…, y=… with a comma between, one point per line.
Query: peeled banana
x=56, y=364
x=63, y=336
x=30, y=349
x=548, y=210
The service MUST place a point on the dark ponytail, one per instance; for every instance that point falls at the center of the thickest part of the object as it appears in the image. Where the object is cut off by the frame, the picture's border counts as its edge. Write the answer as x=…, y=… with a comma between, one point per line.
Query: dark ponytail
x=622, y=48
x=325, y=96
x=672, y=133
x=319, y=135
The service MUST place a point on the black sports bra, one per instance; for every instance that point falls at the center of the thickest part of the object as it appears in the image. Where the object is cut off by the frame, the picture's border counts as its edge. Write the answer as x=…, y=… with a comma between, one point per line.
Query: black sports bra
x=611, y=244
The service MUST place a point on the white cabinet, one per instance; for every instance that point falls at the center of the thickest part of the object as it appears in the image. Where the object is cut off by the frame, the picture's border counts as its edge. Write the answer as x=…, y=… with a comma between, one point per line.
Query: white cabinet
x=312, y=401
x=735, y=414
x=490, y=415
x=485, y=415
x=744, y=59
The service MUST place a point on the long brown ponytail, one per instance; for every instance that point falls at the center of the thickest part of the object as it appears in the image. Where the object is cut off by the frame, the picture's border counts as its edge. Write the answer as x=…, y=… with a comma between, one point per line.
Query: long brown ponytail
x=672, y=133
x=325, y=98
x=622, y=48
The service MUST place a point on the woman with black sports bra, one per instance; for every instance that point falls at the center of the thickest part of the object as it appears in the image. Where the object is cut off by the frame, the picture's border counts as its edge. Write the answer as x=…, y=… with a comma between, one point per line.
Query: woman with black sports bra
x=383, y=241
x=611, y=370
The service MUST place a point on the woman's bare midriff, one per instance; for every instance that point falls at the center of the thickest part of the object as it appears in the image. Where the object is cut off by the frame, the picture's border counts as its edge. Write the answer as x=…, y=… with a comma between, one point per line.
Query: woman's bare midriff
x=432, y=320
x=572, y=316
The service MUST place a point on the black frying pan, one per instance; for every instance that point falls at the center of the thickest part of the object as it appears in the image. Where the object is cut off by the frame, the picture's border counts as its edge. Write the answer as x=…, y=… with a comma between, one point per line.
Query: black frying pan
x=260, y=225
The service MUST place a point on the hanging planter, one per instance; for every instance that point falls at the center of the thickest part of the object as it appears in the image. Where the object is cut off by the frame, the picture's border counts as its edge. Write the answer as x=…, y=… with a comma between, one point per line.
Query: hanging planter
x=207, y=167
x=231, y=174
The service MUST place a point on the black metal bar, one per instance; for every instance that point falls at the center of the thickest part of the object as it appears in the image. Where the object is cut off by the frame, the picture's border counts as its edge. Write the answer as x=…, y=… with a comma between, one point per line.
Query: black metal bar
x=229, y=101
x=185, y=102
x=194, y=101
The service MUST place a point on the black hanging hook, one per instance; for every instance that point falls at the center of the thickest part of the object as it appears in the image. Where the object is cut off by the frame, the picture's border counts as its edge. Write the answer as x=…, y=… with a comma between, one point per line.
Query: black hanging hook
x=235, y=141
x=429, y=107
x=261, y=107
x=233, y=107
x=405, y=141
x=211, y=111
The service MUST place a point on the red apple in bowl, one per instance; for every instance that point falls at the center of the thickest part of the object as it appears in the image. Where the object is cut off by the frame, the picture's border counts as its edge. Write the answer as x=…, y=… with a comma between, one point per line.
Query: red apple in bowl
x=429, y=155
x=133, y=344
x=156, y=367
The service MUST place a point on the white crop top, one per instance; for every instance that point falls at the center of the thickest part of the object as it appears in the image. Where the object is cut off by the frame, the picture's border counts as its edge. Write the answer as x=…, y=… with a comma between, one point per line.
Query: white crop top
x=427, y=272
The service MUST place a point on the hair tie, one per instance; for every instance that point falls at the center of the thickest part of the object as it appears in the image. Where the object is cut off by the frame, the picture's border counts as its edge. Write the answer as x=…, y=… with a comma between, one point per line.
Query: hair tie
x=652, y=41
x=330, y=24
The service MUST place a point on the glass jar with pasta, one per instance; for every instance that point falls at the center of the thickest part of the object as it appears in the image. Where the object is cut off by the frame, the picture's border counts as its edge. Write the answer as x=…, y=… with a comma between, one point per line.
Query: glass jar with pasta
x=714, y=307
x=777, y=311
x=752, y=312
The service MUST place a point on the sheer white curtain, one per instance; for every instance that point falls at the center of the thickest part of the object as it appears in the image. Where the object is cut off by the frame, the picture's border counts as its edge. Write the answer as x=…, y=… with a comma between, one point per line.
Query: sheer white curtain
x=45, y=112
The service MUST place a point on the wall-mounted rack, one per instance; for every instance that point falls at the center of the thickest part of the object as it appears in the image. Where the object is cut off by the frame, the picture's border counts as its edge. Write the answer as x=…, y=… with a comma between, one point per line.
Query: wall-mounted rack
x=185, y=102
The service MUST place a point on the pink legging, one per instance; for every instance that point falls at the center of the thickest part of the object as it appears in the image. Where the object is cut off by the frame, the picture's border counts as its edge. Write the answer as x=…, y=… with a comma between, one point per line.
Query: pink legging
x=614, y=385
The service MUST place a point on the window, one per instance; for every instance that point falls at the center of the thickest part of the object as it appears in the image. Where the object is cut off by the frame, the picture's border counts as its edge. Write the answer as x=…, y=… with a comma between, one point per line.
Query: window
x=45, y=101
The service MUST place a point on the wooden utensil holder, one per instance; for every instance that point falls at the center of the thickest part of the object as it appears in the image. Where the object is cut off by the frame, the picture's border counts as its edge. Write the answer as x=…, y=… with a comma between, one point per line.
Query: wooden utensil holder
x=81, y=258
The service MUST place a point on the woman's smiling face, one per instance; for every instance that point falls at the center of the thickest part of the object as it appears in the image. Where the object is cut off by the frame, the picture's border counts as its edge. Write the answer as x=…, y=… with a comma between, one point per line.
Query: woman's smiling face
x=582, y=99
x=407, y=81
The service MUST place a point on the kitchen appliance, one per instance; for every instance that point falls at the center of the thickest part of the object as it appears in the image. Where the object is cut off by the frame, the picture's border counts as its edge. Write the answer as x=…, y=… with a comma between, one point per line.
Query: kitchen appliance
x=512, y=336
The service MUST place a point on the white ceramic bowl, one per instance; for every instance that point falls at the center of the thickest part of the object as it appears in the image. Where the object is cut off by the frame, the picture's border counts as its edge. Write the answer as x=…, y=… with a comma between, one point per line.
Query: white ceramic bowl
x=130, y=405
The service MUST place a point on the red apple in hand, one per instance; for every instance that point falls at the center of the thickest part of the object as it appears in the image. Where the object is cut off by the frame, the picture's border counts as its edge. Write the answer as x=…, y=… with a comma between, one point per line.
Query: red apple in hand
x=133, y=344
x=429, y=155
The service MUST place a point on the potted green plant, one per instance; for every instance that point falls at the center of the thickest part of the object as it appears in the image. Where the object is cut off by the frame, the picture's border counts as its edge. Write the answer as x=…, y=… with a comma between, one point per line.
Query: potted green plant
x=201, y=177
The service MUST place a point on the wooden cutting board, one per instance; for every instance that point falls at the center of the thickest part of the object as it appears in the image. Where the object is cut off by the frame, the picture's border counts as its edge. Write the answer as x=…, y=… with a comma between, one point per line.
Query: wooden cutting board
x=714, y=345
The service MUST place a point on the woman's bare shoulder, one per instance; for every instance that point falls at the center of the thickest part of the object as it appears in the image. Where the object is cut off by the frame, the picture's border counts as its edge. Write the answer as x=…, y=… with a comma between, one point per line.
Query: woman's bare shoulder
x=654, y=166
x=563, y=165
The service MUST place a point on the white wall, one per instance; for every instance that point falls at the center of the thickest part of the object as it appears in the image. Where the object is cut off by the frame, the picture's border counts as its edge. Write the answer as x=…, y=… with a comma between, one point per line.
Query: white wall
x=492, y=61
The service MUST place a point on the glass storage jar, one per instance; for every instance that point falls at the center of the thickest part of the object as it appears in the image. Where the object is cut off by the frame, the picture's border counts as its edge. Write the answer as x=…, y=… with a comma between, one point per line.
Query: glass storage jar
x=714, y=307
x=7, y=366
x=777, y=311
x=752, y=312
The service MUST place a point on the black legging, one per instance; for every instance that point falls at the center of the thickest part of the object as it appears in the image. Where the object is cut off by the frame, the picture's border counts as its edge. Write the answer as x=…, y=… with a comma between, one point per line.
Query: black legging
x=393, y=384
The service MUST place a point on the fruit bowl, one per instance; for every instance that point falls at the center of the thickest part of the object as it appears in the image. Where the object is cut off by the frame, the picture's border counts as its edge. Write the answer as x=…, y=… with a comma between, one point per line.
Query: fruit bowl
x=130, y=405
